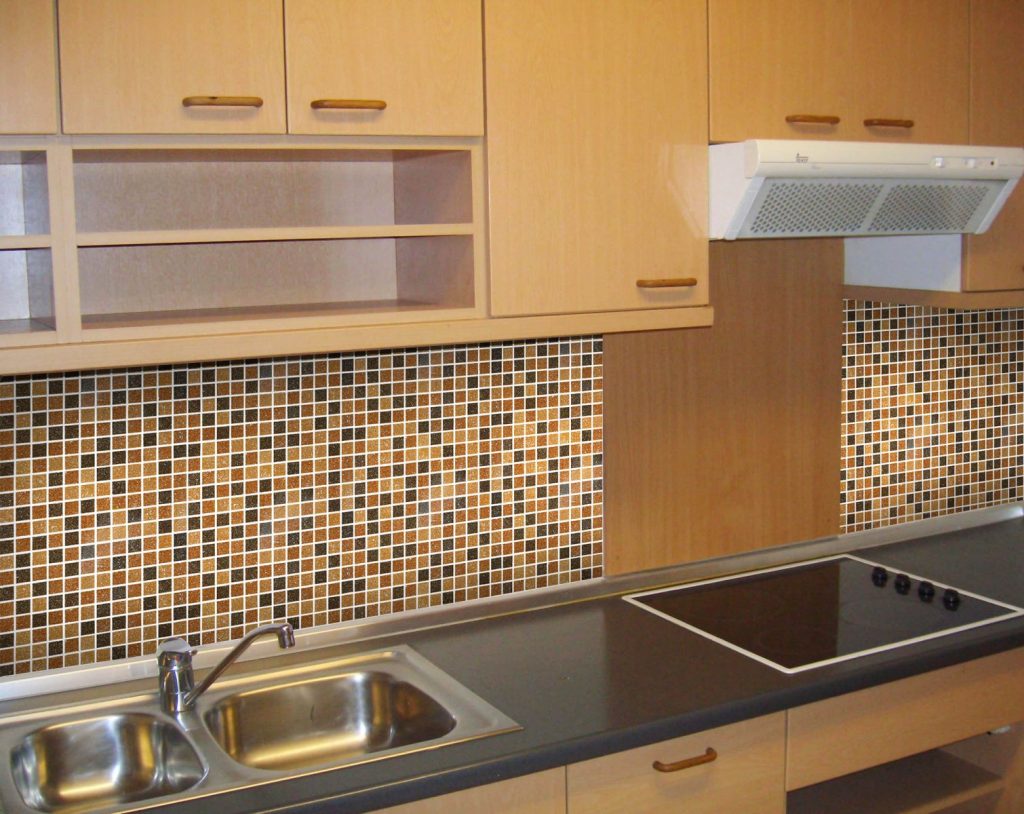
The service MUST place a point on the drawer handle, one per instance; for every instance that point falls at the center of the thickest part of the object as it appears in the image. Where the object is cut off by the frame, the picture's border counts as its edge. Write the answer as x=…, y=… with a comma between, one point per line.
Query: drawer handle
x=668, y=282
x=904, y=123
x=689, y=763
x=222, y=101
x=348, y=104
x=806, y=118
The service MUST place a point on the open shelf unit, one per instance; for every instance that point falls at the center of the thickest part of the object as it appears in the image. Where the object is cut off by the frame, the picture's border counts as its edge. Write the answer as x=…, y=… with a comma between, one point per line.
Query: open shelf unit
x=966, y=776
x=171, y=242
x=27, y=308
x=156, y=239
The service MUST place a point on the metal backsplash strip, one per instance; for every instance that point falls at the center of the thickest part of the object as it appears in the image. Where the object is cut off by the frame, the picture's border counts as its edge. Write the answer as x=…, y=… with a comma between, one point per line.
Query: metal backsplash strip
x=205, y=499
x=933, y=411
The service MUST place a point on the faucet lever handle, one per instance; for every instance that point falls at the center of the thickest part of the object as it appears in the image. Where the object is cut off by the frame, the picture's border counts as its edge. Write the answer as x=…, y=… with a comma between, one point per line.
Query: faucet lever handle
x=173, y=654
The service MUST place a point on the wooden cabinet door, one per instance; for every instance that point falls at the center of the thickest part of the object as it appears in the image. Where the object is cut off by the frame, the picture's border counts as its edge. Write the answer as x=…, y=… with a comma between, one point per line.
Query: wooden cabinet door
x=28, y=67
x=747, y=775
x=127, y=66
x=910, y=64
x=770, y=63
x=540, y=793
x=995, y=260
x=597, y=154
x=422, y=58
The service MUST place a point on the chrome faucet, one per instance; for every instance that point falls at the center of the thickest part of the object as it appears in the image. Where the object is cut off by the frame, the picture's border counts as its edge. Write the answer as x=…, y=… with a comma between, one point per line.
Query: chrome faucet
x=178, y=692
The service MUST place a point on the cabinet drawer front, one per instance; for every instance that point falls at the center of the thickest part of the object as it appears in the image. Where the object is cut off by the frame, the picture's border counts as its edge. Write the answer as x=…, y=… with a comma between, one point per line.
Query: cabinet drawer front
x=127, y=67
x=417, y=63
x=746, y=775
x=867, y=728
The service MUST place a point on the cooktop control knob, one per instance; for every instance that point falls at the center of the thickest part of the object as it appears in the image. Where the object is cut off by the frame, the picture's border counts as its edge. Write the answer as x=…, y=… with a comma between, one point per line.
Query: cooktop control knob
x=926, y=591
x=951, y=599
x=879, y=576
x=902, y=584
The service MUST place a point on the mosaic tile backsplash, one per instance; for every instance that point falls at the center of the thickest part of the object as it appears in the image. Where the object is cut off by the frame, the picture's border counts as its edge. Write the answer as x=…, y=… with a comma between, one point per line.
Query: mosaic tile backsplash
x=205, y=499
x=932, y=412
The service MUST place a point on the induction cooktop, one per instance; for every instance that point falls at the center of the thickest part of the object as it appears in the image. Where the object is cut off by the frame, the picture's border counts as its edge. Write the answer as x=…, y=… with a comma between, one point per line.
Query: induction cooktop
x=807, y=615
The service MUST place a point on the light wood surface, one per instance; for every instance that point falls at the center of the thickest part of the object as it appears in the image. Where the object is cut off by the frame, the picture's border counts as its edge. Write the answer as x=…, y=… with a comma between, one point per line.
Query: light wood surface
x=422, y=58
x=746, y=776
x=727, y=440
x=597, y=153
x=902, y=718
x=909, y=60
x=995, y=260
x=126, y=66
x=254, y=343
x=922, y=784
x=1001, y=753
x=794, y=61
x=28, y=67
x=851, y=59
x=539, y=793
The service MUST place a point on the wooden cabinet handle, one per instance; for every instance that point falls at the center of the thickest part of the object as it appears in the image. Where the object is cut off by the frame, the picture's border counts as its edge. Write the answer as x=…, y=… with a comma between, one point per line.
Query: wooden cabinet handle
x=348, y=104
x=668, y=282
x=688, y=763
x=806, y=118
x=904, y=123
x=222, y=101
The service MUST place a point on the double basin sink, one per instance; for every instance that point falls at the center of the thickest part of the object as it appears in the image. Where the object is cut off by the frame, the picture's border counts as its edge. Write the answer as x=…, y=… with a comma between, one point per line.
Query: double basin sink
x=126, y=754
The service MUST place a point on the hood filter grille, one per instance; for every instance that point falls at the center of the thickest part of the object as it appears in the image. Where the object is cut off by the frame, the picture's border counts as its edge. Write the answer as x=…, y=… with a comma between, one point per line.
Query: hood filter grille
x=867, y=206
x=804, y=208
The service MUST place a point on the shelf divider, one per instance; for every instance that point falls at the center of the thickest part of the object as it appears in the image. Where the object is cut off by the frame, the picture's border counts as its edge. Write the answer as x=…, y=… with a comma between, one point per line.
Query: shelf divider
x=266, y=235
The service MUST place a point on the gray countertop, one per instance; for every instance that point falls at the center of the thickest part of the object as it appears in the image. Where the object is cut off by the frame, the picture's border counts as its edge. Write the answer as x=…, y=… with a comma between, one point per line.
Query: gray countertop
x=599, y=675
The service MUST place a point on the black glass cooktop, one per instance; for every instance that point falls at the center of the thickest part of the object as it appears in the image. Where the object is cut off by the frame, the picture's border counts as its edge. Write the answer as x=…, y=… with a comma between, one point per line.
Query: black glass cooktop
x=798, y=617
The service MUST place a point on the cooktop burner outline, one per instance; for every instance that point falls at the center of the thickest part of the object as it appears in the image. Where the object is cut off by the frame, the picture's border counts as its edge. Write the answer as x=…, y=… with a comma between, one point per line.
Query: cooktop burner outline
x=921, y=589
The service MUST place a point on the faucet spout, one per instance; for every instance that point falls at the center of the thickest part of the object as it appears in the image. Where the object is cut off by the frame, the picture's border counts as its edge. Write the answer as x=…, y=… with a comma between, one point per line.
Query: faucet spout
x=177, y=692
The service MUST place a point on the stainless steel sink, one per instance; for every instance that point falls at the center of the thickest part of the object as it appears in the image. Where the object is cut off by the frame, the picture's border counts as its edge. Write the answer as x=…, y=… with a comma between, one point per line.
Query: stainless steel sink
x=264, y=722
x=353, y=710
x=307, y=723
x=103, y=761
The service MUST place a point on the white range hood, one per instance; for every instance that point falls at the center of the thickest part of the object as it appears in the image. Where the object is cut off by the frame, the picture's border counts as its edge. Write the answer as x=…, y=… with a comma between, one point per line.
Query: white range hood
x=791, y=188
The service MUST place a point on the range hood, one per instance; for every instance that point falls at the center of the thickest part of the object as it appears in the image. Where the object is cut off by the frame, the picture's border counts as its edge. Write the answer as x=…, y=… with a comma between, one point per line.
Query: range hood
x=794, y=188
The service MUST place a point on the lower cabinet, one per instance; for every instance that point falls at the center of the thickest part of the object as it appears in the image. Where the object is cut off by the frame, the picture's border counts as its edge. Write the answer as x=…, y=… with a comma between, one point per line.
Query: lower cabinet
x=735, y=769
x=940, y=741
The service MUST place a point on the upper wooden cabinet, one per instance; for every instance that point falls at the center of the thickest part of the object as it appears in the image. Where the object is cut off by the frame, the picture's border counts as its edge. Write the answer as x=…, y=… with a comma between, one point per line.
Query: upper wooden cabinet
x=995, y=260
x=893, y=70
x=420, y=58
x=597, y=154
x=128, y=67
x=28, y=75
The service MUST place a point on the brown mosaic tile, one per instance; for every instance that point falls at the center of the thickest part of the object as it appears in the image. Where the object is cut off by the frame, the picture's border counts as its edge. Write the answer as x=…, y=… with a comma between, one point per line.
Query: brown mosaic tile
x=202, y=500
x=932, y=412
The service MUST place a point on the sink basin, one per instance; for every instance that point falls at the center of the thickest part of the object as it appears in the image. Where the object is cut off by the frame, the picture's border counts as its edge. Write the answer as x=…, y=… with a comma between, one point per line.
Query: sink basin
x=310, y=722
x=349, y=710
x=103, y=761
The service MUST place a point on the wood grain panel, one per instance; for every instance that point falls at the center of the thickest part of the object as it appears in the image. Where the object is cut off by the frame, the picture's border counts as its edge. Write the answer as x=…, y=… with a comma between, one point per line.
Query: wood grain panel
x=126, y=65
x=725, y=440
x=28, y=69
x=746, y=776
x=424, y=58
x=540, y=793
x=767, y=66
x=597, y=153
x=995, y=260
x=910, y=61
x=902, y=718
